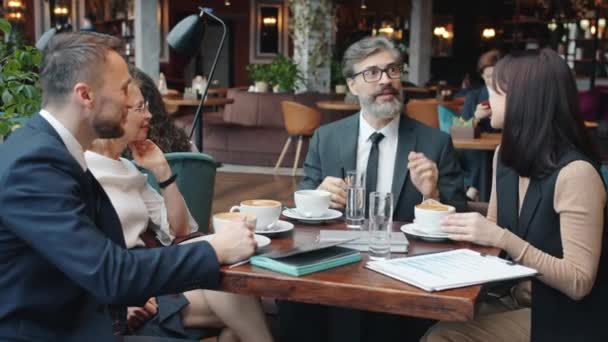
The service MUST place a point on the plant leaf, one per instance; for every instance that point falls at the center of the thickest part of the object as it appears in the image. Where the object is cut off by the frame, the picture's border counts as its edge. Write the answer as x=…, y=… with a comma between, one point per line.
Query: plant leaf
x=5, y=26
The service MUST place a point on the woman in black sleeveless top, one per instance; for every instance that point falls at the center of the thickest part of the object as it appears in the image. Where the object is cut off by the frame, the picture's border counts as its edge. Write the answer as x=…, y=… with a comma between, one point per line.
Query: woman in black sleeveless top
x=547, y=209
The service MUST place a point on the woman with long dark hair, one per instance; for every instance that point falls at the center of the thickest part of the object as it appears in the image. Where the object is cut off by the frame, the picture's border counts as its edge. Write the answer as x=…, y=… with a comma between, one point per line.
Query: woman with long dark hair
x=547, y=209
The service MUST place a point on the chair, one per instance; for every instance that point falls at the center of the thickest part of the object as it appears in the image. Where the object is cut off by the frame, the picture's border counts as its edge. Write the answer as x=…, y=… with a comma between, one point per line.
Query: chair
x=446, y=118
x=196, y=181
x=424, y=110
x=300, y=121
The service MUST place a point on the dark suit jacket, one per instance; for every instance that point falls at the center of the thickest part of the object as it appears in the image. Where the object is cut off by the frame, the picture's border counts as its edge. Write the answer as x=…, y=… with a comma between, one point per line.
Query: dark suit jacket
x=62, y=252
x=334, y=146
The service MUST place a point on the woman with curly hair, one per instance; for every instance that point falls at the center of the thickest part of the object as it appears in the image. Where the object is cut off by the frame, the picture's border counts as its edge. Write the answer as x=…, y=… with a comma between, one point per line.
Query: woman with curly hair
x=162, y=130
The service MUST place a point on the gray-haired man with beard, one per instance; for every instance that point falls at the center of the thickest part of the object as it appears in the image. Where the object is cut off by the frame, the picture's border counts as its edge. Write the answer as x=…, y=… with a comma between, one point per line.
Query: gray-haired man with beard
x=397, y=154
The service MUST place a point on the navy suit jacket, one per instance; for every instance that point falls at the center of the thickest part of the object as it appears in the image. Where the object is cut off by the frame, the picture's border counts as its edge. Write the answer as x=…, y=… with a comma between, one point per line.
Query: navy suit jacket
x=334, y=146
x=62, y=252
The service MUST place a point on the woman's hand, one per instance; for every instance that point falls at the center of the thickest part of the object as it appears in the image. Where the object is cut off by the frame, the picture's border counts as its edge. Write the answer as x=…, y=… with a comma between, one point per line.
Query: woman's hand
x=472, y=227
x=136, y=316
x=147, y=155
x=482, y=111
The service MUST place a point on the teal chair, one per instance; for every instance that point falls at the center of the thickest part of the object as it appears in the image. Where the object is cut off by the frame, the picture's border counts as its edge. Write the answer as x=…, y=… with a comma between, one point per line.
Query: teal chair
x=446, y=118
x=196, y=181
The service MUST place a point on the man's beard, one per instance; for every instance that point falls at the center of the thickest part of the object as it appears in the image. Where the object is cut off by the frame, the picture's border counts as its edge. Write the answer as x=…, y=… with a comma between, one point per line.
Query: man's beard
x=385, y=109
x=106, y=129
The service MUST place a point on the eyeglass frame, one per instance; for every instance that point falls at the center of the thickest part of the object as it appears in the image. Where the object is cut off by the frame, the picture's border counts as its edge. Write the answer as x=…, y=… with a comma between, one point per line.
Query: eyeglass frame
x=382, y=70
x=142, y=108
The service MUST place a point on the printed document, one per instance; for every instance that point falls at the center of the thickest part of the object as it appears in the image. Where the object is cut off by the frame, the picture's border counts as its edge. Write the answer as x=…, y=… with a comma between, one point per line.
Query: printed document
x=451, y=269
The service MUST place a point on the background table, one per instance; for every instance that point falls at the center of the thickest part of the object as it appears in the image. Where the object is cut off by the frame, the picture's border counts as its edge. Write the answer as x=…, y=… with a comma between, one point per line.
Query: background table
x=353, y=286
x=339, y=105
x=486, y=142
x=173, y=103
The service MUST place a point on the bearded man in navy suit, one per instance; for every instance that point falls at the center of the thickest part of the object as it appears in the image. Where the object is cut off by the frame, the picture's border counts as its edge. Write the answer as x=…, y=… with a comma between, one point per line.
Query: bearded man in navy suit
x=65, y=274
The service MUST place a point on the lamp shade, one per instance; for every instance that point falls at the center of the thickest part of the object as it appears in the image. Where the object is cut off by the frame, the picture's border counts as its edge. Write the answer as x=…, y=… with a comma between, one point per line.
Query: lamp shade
x=186, y=36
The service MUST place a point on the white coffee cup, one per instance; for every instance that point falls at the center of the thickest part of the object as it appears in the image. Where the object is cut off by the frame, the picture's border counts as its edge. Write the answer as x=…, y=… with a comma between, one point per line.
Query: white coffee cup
x=221, y=219
x=428, y=216
x=312, y=203
x=267, y=212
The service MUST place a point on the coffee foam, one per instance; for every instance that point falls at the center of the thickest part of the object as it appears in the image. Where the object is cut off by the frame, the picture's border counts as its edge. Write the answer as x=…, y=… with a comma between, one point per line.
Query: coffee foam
x=261, y=203
x=435, y=207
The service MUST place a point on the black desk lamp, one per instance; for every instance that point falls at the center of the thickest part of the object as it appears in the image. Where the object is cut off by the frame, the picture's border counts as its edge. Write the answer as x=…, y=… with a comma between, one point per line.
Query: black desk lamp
x=185, y=38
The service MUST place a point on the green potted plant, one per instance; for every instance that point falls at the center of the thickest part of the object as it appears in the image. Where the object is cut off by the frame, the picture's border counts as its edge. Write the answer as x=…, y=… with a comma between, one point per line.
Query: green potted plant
x=261, y=75
x=20, y=94
x=337, y=79
x=285, y=74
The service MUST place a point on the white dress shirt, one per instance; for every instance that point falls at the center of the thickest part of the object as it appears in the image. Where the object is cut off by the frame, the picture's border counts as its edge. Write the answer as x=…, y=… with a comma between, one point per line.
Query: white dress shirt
x=135, y=201
x=387, y=148
x=68, y=139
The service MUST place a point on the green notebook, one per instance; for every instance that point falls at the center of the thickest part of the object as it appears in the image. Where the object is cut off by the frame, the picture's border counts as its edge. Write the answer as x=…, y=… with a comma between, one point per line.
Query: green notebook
x=301, y=261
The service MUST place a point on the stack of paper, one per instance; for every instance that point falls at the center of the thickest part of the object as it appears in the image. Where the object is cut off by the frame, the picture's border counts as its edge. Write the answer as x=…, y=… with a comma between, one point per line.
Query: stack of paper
x=446, y=270
x=359, y=239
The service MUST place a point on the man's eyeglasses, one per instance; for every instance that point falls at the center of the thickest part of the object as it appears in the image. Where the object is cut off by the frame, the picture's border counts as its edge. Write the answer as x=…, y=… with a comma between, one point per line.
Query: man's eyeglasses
x=374, y=74
x=141, y=108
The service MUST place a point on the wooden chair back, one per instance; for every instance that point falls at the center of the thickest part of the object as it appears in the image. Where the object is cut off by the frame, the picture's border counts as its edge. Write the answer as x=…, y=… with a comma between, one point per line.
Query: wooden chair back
x=423, y=110
x=300, y=119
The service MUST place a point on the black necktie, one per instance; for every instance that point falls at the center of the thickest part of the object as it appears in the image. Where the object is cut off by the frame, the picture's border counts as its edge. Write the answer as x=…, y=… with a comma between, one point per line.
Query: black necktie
x=371, y=173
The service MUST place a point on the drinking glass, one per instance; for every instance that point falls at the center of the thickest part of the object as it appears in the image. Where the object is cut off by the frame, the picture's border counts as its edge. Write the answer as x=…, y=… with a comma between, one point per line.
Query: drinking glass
x=355, y=199
x=380, y=225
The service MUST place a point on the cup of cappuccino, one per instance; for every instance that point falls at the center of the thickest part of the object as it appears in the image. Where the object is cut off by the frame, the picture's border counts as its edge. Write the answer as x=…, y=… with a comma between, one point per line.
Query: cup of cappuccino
x=312, y=203
x=219, y=220
x=266, y=211
x=428, y=216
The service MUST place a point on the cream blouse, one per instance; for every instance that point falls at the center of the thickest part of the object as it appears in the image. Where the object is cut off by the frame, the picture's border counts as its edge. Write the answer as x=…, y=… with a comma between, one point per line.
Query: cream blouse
x=137, y=204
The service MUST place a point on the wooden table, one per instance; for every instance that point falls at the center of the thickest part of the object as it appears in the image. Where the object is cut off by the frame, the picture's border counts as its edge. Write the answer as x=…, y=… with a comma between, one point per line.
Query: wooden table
x=353, y=286
x=486, y=142
x=339, y=105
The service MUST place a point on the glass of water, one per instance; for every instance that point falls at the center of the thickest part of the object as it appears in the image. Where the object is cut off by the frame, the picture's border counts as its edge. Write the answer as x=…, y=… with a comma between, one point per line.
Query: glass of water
x=380, y=225
x=355, y=199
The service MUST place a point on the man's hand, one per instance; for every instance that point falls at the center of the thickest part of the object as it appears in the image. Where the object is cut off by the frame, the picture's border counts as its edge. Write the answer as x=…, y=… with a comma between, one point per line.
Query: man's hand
x=424, y=174
x=147, y=155
x=235, y=242
x=482, y=111
x=337, y=188
x=136, y=316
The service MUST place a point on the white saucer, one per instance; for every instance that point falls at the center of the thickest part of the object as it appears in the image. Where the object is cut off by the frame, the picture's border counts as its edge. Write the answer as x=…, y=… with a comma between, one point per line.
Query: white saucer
x=331, y=214
x=279, y=227
x=412, y=229
x=261, y=240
